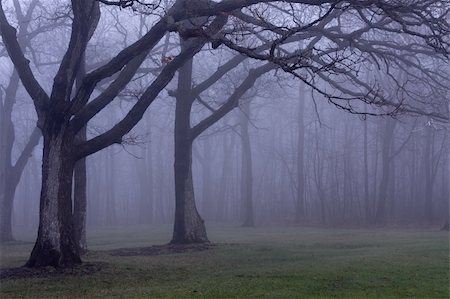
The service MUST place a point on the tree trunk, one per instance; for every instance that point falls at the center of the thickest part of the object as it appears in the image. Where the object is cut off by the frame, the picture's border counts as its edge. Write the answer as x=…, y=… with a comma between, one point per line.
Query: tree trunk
x=10, y=174
x=6, y=201
x=387, y=139
x=146, y=181
x=80, y=199
x=428, y=170
x=110, y=178
x=80, y=179
x=247, y=173
x=206, y=161
x=224, y=188
x=55, y=245
x=300, y=203
x=367, y=204
x=6, y=188
x=189, y=227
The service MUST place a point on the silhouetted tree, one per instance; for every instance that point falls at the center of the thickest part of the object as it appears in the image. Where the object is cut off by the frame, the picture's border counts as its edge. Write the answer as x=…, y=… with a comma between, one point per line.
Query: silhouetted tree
x=335, y=51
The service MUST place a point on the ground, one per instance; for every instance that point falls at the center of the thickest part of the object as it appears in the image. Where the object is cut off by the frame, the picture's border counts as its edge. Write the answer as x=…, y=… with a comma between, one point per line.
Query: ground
x=264, y=262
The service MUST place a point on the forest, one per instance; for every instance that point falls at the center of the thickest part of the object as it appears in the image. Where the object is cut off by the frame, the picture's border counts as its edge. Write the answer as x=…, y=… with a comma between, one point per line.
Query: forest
x=224, y=149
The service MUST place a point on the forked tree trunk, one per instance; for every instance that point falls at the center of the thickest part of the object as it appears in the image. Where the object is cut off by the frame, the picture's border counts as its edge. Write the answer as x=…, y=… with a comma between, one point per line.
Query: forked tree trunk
x=8, y=185
x=189, y=227
x=55, y=245
x=10, y=173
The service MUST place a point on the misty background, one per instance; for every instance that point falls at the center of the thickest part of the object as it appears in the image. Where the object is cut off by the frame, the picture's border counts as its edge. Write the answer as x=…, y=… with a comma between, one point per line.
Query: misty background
x=283, y=143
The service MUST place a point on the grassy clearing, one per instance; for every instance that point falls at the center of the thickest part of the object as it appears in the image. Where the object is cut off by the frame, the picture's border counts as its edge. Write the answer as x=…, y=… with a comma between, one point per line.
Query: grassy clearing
x=268, y=262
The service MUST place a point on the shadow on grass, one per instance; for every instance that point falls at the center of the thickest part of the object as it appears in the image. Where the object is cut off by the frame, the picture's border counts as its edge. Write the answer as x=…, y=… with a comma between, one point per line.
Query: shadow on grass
x=162, y=249
x=24, y=272
x=88, y=268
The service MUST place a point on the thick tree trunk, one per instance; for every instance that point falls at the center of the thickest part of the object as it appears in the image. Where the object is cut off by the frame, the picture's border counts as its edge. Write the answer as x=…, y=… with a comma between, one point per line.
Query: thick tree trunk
x=189, y=227
x=55, y=245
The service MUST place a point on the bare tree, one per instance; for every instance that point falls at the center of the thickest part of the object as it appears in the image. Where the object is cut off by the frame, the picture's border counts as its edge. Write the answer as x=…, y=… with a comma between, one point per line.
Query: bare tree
x=336, y=52
x=11, y=171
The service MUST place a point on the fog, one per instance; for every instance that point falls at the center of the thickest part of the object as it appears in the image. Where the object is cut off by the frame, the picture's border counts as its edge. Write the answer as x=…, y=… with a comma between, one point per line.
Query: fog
x=133, y=183
x=199, y=113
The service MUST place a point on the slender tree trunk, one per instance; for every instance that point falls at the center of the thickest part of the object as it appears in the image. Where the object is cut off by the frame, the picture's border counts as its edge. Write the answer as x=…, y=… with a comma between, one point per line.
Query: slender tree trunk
x=247, y=172
x=206, y=163
x=80, y=180
x=189, y=227
x=55, y=244
x=387, y=138
x=145, y=189
x=6, y=200
x=428, y=170
x=367, y=204
x=6, y=145
x=300, y=203
x=146, y=182
x=110, y=178
x=80, y=199
x=10, y=174
x=224, y=187
x=6, y=175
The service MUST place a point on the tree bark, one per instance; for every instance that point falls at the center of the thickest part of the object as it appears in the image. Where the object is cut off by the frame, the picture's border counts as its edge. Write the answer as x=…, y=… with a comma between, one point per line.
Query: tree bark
x=189, y=227
x=80, y=199
x=80, y=178
x=55, y=245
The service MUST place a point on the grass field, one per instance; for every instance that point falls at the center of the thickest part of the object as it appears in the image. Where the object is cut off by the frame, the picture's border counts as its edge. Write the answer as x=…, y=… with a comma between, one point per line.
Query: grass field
x=269, y=262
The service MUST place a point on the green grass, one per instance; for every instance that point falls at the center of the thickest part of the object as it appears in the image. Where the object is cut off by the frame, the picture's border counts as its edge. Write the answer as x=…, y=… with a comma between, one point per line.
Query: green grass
x=269, y=262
